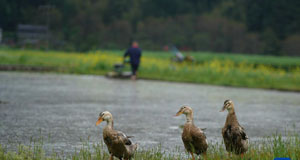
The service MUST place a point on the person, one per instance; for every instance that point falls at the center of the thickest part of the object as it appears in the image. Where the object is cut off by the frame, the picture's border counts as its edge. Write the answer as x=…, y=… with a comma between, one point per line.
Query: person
x=134, y=53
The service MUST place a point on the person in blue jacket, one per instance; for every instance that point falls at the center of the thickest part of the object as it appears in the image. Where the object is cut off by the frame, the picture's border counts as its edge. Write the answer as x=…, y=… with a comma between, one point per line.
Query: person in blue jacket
x=134, y=53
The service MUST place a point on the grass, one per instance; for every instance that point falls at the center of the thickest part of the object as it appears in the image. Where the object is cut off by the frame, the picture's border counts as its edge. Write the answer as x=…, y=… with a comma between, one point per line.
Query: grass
x=266, y=149
x=268, y=72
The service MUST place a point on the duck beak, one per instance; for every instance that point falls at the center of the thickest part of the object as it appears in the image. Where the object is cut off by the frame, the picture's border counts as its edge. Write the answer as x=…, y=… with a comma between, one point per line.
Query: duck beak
x=223, y=109
x=178, y=113
x=99, y=121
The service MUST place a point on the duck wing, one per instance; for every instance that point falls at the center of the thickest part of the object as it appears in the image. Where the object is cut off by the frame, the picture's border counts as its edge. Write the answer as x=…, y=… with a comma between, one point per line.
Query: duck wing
x=199, y=140
x=124, y=138
x=130, y=147
x=240, y=140
x=118, y=143
x=203, y=129
x=238, y=134
x=227, y=136
x=243, y=133
x=235, y=139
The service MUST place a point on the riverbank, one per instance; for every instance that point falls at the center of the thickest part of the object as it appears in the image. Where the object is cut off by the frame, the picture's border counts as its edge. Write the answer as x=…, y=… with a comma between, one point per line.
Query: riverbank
x=280, y=73
x=269, y=148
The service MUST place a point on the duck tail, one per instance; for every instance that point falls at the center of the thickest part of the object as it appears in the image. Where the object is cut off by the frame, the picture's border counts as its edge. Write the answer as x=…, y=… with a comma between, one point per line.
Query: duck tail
x=132, y=148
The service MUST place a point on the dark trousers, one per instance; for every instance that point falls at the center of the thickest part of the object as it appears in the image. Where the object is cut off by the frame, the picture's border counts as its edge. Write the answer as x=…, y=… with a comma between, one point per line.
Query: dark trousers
x=134, y=68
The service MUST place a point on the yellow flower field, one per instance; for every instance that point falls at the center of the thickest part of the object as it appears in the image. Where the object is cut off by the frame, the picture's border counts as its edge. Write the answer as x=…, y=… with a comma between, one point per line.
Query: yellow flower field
x=218, y=71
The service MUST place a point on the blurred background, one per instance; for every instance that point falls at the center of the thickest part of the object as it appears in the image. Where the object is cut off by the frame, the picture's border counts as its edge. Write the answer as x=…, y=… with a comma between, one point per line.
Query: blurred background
x=269, y=27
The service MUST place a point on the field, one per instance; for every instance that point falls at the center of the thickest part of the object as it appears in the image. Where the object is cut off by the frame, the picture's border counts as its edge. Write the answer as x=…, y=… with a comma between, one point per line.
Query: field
x=268, y=72
x=267, y=149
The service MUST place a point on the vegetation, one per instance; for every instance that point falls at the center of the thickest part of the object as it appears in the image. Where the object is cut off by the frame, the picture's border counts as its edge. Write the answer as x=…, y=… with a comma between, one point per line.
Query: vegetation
x=246, y=26
x=266, y=149
x=220, y=69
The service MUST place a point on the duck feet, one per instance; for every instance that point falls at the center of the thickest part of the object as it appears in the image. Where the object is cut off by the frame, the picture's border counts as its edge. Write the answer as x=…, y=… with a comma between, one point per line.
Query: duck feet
x=229, y=156
x=193, y=158
x=242, y=155
x=204, y=156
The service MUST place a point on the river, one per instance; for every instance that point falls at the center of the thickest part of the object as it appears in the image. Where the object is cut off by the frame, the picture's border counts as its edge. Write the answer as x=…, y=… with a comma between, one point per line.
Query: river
x=65, y=108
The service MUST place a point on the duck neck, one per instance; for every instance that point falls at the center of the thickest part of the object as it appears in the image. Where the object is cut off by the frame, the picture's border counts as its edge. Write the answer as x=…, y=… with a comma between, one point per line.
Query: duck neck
x=189, y=117
x=110, y=123
x=231, y=117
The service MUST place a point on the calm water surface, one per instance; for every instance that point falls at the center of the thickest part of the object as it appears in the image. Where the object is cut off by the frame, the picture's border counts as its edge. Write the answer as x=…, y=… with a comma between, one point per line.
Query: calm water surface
x=65, y=108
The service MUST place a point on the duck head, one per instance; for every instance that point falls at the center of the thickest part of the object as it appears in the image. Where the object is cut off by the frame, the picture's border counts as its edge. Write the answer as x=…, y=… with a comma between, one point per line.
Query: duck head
x=104, y=116
x=188, y=113
x=228, y=104
x=184, y=110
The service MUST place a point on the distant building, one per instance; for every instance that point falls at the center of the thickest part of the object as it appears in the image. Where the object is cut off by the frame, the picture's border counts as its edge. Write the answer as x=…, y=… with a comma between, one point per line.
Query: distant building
x=32, y=34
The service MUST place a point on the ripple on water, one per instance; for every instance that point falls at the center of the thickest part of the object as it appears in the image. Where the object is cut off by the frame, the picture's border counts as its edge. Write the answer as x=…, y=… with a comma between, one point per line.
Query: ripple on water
x=65, y=108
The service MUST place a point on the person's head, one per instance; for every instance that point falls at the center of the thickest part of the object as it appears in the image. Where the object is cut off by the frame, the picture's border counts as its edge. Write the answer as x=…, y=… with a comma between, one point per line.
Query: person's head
x=135, y=44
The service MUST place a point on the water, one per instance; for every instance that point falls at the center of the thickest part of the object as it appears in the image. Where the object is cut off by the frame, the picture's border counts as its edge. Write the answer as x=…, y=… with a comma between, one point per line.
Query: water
x=65, y=108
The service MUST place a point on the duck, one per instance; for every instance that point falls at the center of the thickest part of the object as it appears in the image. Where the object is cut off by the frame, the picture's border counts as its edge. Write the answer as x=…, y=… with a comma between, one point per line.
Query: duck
x=117, y=142
x=235, y=138
x=193, y=138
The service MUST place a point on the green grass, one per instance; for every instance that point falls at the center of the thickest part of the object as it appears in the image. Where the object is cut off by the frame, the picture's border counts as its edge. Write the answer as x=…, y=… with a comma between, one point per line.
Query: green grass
x=266, y=149
x=283, y=62
x=269, y=72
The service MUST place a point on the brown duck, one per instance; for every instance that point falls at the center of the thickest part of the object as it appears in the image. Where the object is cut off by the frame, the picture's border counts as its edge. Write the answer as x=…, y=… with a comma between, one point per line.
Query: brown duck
x=193, y=138
x=234, y=135
x=117, y=142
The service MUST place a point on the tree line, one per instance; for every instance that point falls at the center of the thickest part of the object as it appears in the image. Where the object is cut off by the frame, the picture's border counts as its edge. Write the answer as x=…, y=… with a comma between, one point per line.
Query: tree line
x=239, y=26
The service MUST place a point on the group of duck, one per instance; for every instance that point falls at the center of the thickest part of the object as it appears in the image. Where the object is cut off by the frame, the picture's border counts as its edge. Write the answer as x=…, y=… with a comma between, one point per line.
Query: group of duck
x=194, y=139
